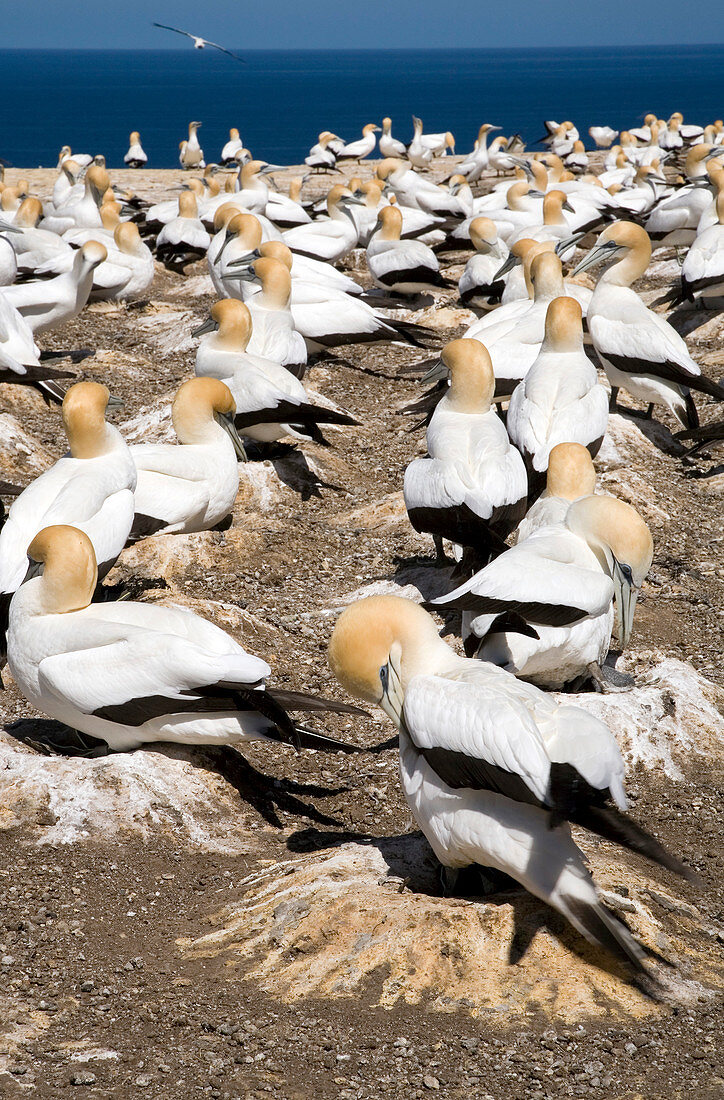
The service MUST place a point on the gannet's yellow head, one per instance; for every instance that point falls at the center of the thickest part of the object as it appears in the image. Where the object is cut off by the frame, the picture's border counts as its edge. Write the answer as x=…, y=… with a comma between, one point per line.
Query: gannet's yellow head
x=571, y=473
x=70, y=573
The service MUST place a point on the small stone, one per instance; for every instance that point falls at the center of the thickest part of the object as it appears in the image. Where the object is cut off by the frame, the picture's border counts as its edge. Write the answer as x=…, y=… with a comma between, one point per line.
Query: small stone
x=470, y=1044
x=7, y=960
x=83, y=1077
x=630, y=1048
x=430, y=1082
x=87, y=987
x=143, y=1081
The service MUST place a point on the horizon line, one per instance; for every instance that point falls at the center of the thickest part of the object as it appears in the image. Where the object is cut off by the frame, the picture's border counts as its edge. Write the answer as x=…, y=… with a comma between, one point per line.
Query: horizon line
x=371, y=49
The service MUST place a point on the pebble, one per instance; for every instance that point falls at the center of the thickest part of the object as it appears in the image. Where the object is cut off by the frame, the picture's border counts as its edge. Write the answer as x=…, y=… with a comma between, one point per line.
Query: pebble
x=83, y=1077
x=430, y=1082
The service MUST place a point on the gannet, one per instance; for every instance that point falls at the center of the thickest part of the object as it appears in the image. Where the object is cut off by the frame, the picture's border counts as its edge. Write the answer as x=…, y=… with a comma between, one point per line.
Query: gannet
x=640, y=351
x=8, y=259
x=543, y=609
x=321, y=157
x=571, y=475
x=134, y=673
x=560, y=400
x=359, y=150
x=237, y=236
x=233, y=146
x=577, y=159
x=702, y=272
x=91, y=487
x=514, y=342
x=498, y=157
x=492, y=768
x=418, y=153
x=83, y=160
x=389, y=146
x=192, y=487
x=183, y=239
x=554, y=226
x=274, y=335
x=475, y=164
x=603, y=135
x=404, y=267
x=325, y=316
x=191, y=154
x=47, y=304
x=128, y=272
x=135, y=157
x=675, y=218
x=82, y=213
x=19, y=355
x=201, y=43
x=270, y=402
x=472, y=489
x=286, y=211
x=478, y=284
x=333, y=238
x=66, y=183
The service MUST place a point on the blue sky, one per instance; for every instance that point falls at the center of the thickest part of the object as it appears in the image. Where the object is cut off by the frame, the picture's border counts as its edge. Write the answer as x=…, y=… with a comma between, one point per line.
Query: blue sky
x=289, y=24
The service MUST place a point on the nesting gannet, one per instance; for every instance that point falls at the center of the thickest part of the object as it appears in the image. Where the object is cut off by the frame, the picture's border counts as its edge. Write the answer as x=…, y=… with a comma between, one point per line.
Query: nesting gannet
x=330, y=239
x=640, y=351
x=133, y=673
x=492, y=768
x=84, y=212
x=287, y=211
x=560, y=400
x=359, y=150
x=544, y=610
x=184, y=239
x=191, y=155
x=389, y=146
x=404, y=267
x=274, y=335
x=325, y=316
x=8, y=259
x=128, y=272
x=603, y=135
x=675, y=218
x=270, y=402
x=135, y=157
x=201, y=43
x=91, y=487
x=571, y=475
x=472, y=489
x=47, y=304
x=192, y=487
x=478, y=284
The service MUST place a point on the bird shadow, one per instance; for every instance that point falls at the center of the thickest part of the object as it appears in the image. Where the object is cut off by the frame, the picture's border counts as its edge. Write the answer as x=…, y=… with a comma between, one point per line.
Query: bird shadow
x=656, y=432
x=291, y=467
x=698, y=474
x=412, y=866
x=686, y=319
x=264, y=793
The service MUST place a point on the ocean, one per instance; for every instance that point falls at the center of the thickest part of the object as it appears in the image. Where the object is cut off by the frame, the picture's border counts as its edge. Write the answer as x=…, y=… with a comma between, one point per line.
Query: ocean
x=281, y=99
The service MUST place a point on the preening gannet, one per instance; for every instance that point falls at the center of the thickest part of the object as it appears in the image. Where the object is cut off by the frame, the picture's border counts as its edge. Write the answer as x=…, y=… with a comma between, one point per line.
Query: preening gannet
x=233, y=146
x=560, y=400
x=322, y=157
x=544, y=608
x=472, y=489
x=192, y=487
x=91, y=487
x=491, y=767
x=133, y=673
x=135, y=157
x=270, y=402
x=640, y=351
x=404, y=267
x=274, y=335
x=201, y=43
x=47, y=304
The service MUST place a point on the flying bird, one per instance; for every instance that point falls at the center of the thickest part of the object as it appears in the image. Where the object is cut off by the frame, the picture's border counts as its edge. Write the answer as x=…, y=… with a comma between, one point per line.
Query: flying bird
x=201, y=43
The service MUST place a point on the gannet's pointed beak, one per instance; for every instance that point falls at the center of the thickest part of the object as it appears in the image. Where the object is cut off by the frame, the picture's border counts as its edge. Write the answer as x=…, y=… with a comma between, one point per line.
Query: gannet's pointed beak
x=437, y=370
x=564, y=245
x=598, y=253
x=270, y=168
x=226, y=420
x=208, y=326
x=245, y=261
x=115, y=402
x=565, y=205
x=508, y=264
x=393, y=695
x=626, y=595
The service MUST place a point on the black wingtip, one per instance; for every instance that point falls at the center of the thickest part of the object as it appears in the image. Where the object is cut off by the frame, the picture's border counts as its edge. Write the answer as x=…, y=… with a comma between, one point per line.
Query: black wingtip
x=618, y=827
x=299, y=700
x=310, y=739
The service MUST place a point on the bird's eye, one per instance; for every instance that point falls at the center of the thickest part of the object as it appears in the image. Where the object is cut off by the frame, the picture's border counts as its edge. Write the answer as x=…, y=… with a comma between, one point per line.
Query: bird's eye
x=627, y=572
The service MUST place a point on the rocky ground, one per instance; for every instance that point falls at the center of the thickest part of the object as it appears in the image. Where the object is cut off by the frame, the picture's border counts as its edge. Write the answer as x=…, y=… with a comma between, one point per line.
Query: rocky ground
x=181, y=922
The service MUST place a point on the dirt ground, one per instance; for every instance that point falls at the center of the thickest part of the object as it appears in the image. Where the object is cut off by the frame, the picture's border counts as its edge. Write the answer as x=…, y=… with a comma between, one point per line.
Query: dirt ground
x=98, y=995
